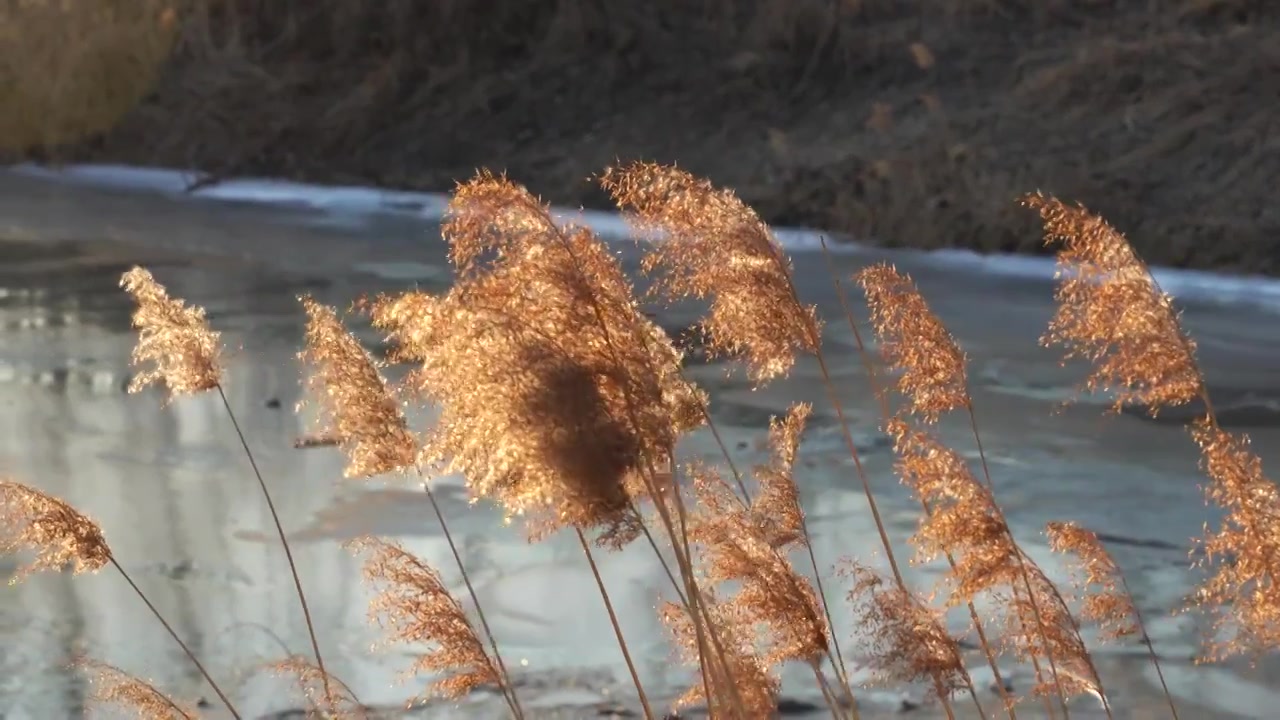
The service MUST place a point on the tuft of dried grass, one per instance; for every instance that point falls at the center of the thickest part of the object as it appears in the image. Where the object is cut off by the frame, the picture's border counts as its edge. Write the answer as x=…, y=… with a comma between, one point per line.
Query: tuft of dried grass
x=557, y=396
x=109, y=685
x=57, y=533
x=356, y=405
x=904, y=640
x=776, y=511
x=415, y=607
x=175, y=339
x=716, y=247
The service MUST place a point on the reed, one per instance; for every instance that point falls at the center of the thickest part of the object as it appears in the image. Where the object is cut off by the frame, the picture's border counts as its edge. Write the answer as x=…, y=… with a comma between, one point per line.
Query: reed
x=561, y=402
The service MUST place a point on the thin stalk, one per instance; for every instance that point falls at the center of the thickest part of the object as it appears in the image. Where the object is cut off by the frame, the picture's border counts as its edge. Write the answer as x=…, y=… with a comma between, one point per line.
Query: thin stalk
x=617, y=628
x=508, y=689
x=173, y=634
x=288, y=553
x=1146, y=640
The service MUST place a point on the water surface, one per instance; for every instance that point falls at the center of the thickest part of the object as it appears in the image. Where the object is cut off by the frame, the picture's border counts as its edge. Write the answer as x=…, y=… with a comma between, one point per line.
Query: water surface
x=183, y=514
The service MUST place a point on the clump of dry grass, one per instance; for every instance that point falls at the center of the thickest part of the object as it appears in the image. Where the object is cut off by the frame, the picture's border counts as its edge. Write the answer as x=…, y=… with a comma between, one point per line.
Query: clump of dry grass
x=904, y=639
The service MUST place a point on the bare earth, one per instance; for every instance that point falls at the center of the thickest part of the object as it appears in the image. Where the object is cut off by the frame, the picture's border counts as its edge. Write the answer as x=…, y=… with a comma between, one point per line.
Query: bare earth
x=180, y=509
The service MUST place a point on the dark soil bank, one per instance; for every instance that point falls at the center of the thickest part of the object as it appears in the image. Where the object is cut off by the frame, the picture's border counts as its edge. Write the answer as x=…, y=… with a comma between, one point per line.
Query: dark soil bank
x=914, y=122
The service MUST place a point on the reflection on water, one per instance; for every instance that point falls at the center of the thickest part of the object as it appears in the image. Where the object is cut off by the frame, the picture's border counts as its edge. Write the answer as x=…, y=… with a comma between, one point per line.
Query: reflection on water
x=180, y=508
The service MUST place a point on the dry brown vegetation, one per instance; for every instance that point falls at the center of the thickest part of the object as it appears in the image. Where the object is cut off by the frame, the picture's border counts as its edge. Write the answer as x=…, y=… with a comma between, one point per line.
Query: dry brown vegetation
x=563, y=406
x=902, y=121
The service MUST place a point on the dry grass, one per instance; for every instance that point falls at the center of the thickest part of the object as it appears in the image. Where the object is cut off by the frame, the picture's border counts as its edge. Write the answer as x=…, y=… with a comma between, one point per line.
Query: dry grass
x=1147, y=111
x=562, y=403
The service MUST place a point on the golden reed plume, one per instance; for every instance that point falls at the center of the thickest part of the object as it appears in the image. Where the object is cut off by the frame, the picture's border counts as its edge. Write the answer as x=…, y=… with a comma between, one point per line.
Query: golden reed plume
x=716, y=247
x=328, y=696
x=770, y=592
x=903, y=639
x=174, y=338
x=415, y=607
x=933, y=379
x=742, y=679
x=1107, y=601
x=1112, y=312
x=775, y=510
x=57, y=533
x=556, y=394
x=356, y=405
x=109, y=685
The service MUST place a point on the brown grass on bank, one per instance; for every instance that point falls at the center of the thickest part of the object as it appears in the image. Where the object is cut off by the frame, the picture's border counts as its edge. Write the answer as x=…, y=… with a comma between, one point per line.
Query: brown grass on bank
x=70, y=70
x=561, y=401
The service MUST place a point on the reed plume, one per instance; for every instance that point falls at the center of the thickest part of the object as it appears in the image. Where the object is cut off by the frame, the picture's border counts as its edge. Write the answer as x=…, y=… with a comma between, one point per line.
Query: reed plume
x=1038, y=624
x=1112, y=312
x=557, y=396
x=356, y=407
x=933, y=379
x=58, y=534
x=317, y=687
x=904, y=640
x=109, y=685
x=414, y=605
x=183, y=352
x=1105, y=601
x=1105, y=595
x=775, y=510
x=1243, y=554
x=716, y=247
x=61, y=536
x=359, y=409
x=770, y=593
x=741, y=681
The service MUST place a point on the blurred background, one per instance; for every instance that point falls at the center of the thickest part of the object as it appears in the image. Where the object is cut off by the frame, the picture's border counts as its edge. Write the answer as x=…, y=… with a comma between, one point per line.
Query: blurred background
x=904, y=122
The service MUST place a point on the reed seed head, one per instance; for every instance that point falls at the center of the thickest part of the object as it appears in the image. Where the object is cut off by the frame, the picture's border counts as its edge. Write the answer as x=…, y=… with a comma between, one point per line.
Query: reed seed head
x=340, y=704
x=1038, y=624
x=714, y=246
x=57, y=533
x=557, y=396
x=903, y=639
x=1243, y=588
x=416, y=608
x=915, y=343
x=735, y=549
x=109, y=685
x=1112, y=313
x=176, y=339
x=776, y=510
x=356, y=405
x=744, y=675
x=963, y=517
x=1104, y=597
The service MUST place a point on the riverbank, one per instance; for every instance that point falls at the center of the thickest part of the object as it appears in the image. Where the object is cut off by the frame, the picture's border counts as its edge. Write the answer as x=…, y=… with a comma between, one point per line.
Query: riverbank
x=907, y=124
